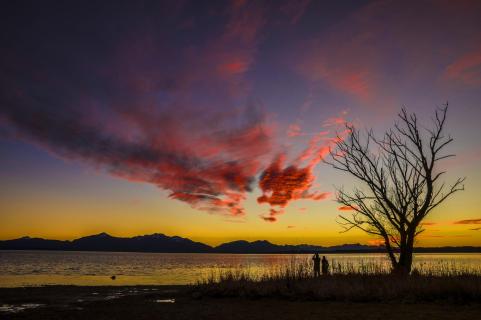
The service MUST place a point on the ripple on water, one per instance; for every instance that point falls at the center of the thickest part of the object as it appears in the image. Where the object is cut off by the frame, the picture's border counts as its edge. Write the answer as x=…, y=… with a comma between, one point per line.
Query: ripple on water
x=165, y=300
x=33, y=268
x=10, y=308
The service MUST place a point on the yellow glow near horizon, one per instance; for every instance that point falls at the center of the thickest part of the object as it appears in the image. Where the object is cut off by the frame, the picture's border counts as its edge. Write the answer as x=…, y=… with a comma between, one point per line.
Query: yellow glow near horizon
x=49, y=216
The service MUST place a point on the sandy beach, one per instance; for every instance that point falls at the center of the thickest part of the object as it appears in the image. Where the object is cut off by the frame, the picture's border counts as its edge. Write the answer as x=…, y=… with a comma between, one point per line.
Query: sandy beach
x=178, y=302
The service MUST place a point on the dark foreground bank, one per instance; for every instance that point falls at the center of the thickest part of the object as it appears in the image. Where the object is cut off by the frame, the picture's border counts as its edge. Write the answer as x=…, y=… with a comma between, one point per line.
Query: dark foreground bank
x=182, y=302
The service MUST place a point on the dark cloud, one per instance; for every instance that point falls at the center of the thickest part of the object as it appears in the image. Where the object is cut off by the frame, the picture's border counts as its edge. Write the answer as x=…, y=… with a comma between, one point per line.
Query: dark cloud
x=119, y=90
x=468, y=221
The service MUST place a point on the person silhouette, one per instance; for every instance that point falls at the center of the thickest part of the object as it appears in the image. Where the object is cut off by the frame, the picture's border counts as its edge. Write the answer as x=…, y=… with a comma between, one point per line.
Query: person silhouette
x=317, y=264
x=325, y=266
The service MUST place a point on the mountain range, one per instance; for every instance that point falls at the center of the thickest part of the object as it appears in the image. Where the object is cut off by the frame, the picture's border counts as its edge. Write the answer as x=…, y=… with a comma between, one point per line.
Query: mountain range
x=158, y=242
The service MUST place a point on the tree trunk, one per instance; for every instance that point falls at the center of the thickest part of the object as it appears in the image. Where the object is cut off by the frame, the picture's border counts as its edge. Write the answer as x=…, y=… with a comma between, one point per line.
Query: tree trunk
x=405, y=261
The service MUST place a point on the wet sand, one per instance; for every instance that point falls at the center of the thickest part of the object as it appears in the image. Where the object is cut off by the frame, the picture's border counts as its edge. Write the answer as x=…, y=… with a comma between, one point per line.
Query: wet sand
x=177, y=302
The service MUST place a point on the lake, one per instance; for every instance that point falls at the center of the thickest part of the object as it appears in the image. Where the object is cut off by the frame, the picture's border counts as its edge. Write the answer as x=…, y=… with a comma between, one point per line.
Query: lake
x=33, y=268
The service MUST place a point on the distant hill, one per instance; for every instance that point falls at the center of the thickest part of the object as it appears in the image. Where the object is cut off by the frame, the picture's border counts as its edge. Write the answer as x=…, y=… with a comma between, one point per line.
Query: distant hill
x=242, y=246
x=158, y=242
x=263, y=246
x=27, y=243
x=105, y=242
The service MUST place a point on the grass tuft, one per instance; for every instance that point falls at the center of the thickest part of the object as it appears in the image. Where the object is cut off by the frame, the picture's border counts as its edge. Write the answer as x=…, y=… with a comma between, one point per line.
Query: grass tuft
x=363, y=282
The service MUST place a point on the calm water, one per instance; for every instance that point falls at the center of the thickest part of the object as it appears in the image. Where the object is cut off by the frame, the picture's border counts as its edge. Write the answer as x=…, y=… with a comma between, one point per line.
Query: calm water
x=27, y=268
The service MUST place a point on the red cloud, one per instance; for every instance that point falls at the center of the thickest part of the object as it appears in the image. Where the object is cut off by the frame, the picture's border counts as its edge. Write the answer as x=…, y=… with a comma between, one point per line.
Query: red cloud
x=466, y=68
x=148, y=110
x=345, y=208
x=233, y=52
x=355, y=83
x=294, y=130
x=280, y=183
x=372, y=55
x=214, y=176
x=354, y=80
x=234, y=67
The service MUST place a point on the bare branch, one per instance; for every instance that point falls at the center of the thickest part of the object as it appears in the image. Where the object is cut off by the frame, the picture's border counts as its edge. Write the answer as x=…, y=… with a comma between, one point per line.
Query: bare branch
x=400, y=179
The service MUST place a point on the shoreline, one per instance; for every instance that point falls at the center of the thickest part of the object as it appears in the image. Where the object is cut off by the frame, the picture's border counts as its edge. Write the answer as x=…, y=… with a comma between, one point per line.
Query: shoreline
x=177, y=302
x=420, y=250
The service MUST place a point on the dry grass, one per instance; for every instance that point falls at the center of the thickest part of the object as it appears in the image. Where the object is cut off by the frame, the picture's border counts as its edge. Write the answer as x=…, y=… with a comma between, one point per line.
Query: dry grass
x=347, y=282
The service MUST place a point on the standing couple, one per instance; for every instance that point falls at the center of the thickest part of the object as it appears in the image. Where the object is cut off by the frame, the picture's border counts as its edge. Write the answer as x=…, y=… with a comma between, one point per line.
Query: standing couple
x=317, y=265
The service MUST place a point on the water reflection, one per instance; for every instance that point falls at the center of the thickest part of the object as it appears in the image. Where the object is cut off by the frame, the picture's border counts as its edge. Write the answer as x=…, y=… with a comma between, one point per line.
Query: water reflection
x=165, y=301
x=26, y=268
x=10, y=308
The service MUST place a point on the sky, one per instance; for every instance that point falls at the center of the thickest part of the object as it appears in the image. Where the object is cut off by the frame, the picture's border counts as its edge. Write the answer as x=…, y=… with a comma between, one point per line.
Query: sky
x=210, y=119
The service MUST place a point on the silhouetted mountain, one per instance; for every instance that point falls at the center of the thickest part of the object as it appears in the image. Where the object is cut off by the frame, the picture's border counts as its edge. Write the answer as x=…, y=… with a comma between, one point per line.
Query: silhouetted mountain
x=105, y=242
x=27, y=243
x=158, y=242
x=148, y=243
x=264, y=246
x=242, y=246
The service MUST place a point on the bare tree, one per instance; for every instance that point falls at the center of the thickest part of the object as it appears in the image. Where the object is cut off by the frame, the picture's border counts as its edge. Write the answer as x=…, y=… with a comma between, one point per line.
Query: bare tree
x=400, y=178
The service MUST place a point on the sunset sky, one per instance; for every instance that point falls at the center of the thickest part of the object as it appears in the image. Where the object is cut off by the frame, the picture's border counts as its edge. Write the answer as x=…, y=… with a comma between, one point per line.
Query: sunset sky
x=209, y=119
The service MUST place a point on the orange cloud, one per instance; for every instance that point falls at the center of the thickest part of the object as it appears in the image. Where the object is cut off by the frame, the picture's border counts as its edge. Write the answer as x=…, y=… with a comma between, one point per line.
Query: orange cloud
x=375, y=242
x=427, y=223
x=423, y=236
x=468, y=221
x=345, y=208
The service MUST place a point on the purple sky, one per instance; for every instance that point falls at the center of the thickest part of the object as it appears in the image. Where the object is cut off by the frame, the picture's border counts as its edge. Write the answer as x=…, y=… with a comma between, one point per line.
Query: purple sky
x=226, y=106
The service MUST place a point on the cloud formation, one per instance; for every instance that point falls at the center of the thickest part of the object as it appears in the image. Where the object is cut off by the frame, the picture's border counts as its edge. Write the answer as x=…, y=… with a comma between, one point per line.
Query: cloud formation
x=162, y=92
x=282, y=183
x=468, y=221
x=371, y=55
x=137, y=108
x=466, y=68
x=427, y=223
